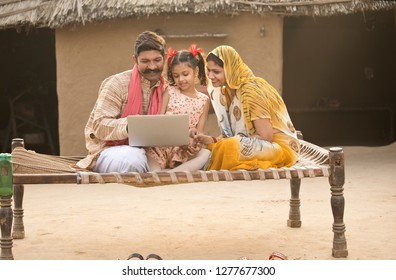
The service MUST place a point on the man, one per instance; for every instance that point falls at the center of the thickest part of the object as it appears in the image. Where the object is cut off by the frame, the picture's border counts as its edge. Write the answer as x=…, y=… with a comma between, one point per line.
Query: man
x=136, y=91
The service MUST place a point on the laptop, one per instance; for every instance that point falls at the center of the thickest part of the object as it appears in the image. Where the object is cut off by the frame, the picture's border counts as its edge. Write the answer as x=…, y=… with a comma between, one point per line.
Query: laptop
x=158, y=130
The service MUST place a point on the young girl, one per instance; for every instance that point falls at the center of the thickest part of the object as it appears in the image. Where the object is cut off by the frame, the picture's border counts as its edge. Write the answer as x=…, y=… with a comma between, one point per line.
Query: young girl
x=181, y=97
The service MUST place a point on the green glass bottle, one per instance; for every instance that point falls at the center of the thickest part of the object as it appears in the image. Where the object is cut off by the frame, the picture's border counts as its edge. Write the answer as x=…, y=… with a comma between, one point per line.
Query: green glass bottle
x=5, y=175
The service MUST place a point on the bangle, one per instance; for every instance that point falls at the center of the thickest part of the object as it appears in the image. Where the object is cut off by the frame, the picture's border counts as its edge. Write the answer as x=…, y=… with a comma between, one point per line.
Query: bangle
x=214, y=139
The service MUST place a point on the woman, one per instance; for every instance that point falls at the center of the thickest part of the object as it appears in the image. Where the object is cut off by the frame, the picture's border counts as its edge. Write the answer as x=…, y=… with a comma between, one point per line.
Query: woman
x=256, y=128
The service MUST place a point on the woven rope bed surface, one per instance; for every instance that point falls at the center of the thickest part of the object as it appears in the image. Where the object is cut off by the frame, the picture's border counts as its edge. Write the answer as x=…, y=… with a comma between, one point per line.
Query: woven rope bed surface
x=313, y=162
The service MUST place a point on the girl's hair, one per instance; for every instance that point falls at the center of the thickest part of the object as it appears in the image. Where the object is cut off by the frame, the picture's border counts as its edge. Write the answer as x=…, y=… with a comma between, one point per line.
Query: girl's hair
x=192, y=57
x=215, y=59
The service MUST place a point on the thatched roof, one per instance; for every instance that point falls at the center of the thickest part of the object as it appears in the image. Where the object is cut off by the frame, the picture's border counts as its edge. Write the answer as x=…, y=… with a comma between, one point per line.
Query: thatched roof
x=59, y=13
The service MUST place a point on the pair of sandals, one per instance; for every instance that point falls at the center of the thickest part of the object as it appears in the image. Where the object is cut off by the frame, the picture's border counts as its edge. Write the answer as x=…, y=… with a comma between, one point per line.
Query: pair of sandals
x=277, y=256
x=140, y=257
x=273, y=256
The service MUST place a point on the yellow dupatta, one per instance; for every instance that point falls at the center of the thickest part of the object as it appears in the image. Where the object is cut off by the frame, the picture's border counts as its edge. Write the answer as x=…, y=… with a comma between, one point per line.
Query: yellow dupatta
x=258, y=100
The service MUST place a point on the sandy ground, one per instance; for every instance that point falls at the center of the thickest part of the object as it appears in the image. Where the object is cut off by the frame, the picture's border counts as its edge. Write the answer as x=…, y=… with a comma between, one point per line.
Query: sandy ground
x=214, y=221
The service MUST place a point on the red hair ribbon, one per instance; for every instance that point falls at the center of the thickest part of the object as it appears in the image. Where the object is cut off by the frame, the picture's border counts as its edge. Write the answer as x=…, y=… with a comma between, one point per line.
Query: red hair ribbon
x=171, y=54
x=194, y=51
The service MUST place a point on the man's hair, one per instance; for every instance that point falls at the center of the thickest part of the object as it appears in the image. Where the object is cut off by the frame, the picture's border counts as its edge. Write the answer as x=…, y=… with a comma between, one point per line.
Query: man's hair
x=148, y=41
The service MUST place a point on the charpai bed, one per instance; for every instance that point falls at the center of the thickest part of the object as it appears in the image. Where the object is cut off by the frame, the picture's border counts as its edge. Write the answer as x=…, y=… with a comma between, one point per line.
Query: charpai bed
x=30, y=167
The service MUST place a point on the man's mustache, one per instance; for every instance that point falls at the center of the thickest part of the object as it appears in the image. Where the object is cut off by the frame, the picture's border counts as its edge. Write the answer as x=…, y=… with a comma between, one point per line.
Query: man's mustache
x=148, y=71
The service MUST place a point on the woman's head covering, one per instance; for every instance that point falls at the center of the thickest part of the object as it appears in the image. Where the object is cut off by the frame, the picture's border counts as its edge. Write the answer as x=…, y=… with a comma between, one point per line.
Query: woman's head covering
x=236, y=71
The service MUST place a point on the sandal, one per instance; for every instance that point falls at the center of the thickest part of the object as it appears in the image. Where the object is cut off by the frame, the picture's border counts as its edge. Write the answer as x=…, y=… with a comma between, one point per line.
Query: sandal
x=277, y=256
x=153, y=257
x=135, y=255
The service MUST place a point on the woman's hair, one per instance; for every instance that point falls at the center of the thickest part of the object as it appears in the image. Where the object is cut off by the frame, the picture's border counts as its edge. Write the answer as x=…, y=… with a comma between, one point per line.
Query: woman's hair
x=193, y=61
x=148, y=41
x=215, y=59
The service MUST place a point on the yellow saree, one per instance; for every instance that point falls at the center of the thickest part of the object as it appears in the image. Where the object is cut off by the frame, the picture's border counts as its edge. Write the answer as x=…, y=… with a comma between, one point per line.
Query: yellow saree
x=255, y=99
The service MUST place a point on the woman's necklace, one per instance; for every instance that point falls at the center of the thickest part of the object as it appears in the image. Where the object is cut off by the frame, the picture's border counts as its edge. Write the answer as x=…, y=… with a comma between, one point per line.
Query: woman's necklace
x=231, y=93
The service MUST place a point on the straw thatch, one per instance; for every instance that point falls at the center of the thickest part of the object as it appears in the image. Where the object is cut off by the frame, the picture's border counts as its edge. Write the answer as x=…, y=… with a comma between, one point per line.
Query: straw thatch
x=59, y=13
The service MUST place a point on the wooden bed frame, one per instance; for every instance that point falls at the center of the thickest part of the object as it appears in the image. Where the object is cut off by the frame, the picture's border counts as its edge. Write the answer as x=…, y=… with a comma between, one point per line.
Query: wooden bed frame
x=332, y=167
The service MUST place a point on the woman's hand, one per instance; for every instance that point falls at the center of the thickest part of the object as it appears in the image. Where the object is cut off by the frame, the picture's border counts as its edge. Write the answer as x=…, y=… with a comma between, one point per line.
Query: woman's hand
x=201, y=138
x=204, y=139
x=193, y=132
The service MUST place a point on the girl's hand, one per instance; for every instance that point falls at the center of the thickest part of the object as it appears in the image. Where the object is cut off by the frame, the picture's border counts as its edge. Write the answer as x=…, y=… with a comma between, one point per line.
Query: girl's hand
x=194, y=148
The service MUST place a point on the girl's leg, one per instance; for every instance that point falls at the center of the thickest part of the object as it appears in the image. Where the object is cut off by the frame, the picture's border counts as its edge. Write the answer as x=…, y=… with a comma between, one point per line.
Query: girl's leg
x=153, y=164
x=195, y=163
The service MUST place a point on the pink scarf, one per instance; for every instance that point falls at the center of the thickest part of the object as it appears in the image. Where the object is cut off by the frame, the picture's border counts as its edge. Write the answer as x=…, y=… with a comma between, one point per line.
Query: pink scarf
x=134, y=103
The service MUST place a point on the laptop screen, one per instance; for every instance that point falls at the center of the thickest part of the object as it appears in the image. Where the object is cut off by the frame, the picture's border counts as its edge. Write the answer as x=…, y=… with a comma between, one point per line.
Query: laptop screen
x=158, y=130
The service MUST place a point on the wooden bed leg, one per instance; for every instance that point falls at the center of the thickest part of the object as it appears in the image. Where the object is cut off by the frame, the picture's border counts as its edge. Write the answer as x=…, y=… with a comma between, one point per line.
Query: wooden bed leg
x=5, y=207
x=294, y=220
x=337, y=180
x=18, y=231
x=6, y=225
